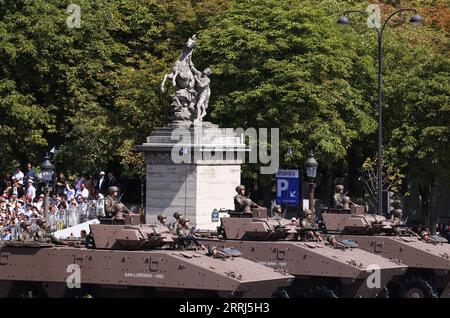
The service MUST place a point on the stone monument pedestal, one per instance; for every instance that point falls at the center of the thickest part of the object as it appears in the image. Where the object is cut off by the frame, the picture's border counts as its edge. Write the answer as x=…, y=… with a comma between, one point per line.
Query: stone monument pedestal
x=193, y=170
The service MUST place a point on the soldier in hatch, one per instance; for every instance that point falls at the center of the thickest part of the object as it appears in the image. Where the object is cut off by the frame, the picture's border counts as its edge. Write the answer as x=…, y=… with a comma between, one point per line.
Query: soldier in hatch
x=337, y=198
x=25, y=235
x=241, y=202
x=43, y=236
x=175, y=225
x=277, y=212
x=332, y=240
x=113, y=207
x=162, y=219
x=308, y=223
x=187, y=241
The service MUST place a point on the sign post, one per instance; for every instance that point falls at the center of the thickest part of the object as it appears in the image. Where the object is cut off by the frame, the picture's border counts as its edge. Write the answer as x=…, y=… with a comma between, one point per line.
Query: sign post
x=287, y=182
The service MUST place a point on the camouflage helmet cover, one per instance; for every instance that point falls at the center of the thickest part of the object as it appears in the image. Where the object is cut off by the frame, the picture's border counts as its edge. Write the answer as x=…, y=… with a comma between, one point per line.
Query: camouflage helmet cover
x=113, y=189
x=161, y=217
x=41, y=221
x=308, y=212
x=23, y=225
x=177, y=215
x=239, y=188
x=183, y=221
x=339, y=187
x=397, y=213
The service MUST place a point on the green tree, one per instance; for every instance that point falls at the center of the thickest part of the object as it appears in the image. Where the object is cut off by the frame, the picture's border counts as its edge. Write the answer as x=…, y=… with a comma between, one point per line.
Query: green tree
x=285, y=64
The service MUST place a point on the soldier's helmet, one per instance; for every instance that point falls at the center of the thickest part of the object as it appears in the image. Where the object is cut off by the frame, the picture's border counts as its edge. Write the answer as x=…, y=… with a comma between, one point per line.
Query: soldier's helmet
x=177, y=215
x=161, y=217
x=239, y=188
x=111, y=190
x=41, y=221
x=397, y=213
x=424, y=233
x=211, y=249
x=330, y=237
x=339, y=187
x=276, y=207
x=308, y=212
x=183, y=221
x=24, y=225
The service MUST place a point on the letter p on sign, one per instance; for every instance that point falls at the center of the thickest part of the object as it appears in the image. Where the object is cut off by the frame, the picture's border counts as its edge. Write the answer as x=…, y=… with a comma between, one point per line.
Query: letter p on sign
x=282, y=185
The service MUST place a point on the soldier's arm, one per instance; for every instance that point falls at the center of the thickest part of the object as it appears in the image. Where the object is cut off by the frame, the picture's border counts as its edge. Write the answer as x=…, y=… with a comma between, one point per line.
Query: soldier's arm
x=239, y=200
x=254, y=205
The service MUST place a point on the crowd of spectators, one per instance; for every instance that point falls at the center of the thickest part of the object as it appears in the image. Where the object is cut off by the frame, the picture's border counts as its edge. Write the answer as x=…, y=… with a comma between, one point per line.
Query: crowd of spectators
x=22, y=196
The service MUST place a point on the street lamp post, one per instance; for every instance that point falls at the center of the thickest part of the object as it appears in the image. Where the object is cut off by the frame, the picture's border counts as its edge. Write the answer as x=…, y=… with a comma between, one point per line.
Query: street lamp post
x=311, y=171
x=46, y=176
x=415, y=20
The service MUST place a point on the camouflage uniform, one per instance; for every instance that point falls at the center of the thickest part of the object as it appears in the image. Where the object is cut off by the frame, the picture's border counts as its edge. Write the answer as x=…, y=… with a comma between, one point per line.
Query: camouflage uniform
x=307, y=224
x=43, y=236
x=175, y=225
x=277, y=212
x=183, y=234
x=110, y=201
x=336, y=200
x=113, y=207
x=25, y=236
x=241, y=202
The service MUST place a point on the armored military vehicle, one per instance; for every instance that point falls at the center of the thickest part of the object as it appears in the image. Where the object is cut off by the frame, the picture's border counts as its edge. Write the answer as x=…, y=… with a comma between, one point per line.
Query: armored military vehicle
x=320, y=270
x=129, y=260
x=428, y=273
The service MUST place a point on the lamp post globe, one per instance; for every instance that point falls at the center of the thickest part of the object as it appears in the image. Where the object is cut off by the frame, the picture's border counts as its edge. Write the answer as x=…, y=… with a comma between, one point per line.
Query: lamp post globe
x=47, y=169
x=416, y=19
x=343, y=20
x=311, y=167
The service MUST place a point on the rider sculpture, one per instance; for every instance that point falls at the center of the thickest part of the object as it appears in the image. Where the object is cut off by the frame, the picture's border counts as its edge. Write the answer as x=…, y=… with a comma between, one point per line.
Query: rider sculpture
x=192, y=90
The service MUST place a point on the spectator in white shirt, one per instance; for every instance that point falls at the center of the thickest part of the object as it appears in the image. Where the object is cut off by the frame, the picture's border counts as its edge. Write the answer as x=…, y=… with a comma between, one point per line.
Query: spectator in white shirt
x=18, y=175
x=69, y=192
x=83, y=191
x=31, y=190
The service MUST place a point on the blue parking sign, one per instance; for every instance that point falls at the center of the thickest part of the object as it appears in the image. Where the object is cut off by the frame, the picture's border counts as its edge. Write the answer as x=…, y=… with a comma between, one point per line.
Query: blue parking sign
x=287, y=187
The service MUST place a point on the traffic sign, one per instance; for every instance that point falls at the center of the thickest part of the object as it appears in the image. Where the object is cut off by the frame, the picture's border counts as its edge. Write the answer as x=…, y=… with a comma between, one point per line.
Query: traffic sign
x=287, y=187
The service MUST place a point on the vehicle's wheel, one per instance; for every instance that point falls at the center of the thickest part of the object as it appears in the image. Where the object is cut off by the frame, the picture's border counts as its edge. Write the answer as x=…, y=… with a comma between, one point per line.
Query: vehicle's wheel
x=384, y=293
x=282, y=294
x=28, y=290
x=416, y=287
x=320, y=292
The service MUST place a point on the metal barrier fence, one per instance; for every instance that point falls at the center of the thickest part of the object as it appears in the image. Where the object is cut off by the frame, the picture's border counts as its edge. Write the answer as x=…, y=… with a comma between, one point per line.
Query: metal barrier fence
x=75, y=215
x=65, y=218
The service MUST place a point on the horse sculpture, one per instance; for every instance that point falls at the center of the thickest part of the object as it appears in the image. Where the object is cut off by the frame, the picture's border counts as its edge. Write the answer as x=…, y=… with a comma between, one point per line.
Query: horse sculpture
x=191, y=86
